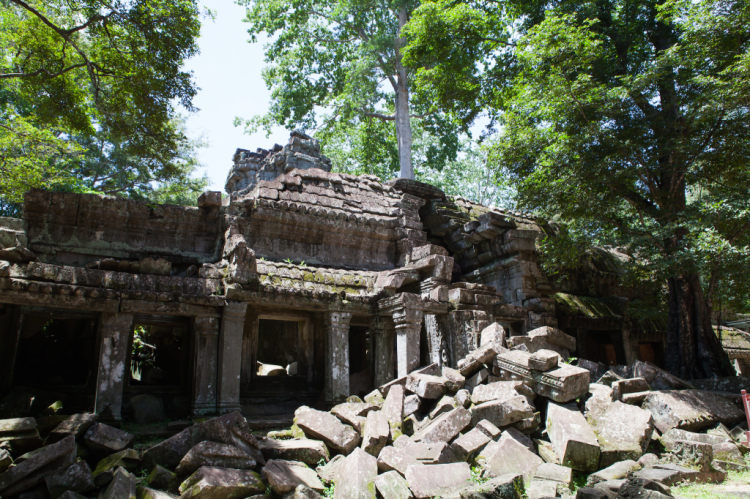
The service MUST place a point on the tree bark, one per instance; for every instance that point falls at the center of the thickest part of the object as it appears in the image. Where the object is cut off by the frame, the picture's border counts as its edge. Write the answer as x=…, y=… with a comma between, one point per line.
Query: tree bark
x=403, y=121
x=693, y=349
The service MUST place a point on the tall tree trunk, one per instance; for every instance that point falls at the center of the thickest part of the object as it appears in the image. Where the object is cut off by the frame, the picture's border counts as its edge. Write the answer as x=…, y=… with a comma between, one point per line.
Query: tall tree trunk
x=693, y=349
x=403, y=121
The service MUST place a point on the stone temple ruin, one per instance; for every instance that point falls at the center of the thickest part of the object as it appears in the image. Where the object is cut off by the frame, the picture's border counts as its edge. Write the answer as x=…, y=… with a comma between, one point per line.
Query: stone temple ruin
x=423, y=323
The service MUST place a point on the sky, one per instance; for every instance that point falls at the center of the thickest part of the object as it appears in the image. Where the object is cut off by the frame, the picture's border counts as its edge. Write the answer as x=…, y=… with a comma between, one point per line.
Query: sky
x=227, y=71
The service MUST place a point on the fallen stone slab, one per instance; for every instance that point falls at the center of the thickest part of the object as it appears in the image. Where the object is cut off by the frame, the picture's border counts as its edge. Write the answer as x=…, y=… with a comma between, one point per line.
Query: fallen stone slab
x=445, y=404
x=563, y=384
x=16, y=425
x=353, y=414
x=555, y=473
x=327, y=472
x=5, y=460
x=412, y=404
x=502, y=412
x=429, y=453
x=571, y=436
x=546, y=451
x=284, y=476
x=510, y=456
x=673, y=435
x=635, y=398
x=476, y=360
x=728, y=452
x=355, y=477
x=657, y=378
x=149, y=493
x=20, y=435
x=454, y=380
x=214, y=454
x=518, y=437
x=530, y=425
x=310, y=452
x=477, y=379
x=76, y=477
x=104, y=440
x=508, y=486
x=301, y=492
x=624, y=432
x=501, y=390
x=488, y=429
x=445, y=428
x=598, y=400
x=494, y=333
x=393, y=459
x=432, y=369
x=592, y=493
x=426, y=386
x=540, y=489
x=690, y=409
x=616, y=471
x=392, y=485
x=711, y=474
x=163, y=479
x=33, y=470
x=122, y=486
x=438, y=480
x=377, y=431
x=221, y=483
x=323, y=426
x=666, y=476
x=393, y=409
x=467, y=445
x=648, y=460
x=543, y=360
x=692, y=454
x=628, y=386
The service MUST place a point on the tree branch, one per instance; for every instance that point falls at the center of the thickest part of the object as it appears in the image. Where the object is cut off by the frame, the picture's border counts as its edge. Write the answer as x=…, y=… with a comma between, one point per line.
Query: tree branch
x=41, y=71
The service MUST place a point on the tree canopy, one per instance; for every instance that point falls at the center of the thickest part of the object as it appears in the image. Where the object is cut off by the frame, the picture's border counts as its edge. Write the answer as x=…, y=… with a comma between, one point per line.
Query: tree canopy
x=88, y=91
x=628, y=121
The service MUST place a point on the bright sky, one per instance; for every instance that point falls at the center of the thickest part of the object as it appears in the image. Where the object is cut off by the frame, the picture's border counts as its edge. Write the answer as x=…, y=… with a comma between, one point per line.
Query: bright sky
x=227, y=71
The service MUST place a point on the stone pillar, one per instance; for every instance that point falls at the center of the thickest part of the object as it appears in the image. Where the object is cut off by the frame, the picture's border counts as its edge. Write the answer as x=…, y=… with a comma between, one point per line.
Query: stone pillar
x=383, y=335
x=408, y=324
x=336, y=333
x=206, y=357
x=230, y=357
x=114, y=333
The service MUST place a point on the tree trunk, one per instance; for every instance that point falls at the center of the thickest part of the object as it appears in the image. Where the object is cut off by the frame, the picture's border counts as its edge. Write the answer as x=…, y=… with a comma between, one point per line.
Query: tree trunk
x=403, y=121
x=693, y=349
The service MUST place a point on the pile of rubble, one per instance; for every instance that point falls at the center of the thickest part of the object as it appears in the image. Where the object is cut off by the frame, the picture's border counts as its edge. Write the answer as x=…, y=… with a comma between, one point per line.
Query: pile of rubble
x=507, y=423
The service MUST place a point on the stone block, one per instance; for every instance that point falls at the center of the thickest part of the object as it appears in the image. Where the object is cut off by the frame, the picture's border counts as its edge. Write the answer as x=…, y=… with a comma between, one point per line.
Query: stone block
x=543, y=360
x=393, y=486
x=626, y=386
x=411, y=404
x=476, y=360
x=5, y=460
x=356, y=476
x=572, y=438
x=728, y=452
x=32, y=471
x=349, y=417
x=301, y=492
x=690, y=409
x=669, y=438
x=657, y=378
x=494, y=333
x=454, y=380
x=624, y=432
x=122, y=486
x=510, y=456
x=429, y=453
x=323, y=426
x=391, y=458
x=284, y=476
x=147, y=409
x=376, y=432
x=437, y=480
x=541, y=489
x=501, y=390
x=328, y=471
x=502, y=412
x=598, y=400
x=307, y=451
x=477, y=379
x=149, y=493
x=488, y=429
x=668, y=476
x=563, y=384
x=616, y=471
x=546, y=451
x=554, y=336
x=508, y=486
x=648, y=460
x=16, y=425
x=592, y=493
x=163, y=479
x=426, y=386
x=466, y=445
x=76, y=477
x=221, y=483
x=215, y=455
x=445, y=404
x=105, y=468
x=393, y=409
x=555, y=473
x=529, y=425
x=519, y=437
x=104, y=440
x=692, y=454
x=445, y=428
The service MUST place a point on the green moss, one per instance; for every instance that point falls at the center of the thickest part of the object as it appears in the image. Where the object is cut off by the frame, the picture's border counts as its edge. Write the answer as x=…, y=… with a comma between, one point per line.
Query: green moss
x=308, y=276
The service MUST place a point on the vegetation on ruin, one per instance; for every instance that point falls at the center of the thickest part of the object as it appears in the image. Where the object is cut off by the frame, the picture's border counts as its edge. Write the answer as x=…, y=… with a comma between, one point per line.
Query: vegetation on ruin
x=87, y=98
x=628, y=121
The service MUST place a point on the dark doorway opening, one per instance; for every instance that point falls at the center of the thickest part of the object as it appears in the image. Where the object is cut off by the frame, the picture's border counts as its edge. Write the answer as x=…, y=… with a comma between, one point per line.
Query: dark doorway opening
x=360, y=361
x=280, y=348
x=651, y=351
x=159, y=355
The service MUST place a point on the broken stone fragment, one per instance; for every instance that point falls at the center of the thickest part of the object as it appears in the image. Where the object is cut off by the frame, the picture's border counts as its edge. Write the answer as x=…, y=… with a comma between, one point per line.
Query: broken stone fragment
x=105, y=468
x=466, y=445
x=628, y=386
x=33, y=470
x=221, y=483
x=393, y=409
x=502, y=412
x=122, y=486
x=476, y=360
x=508, y=486
x=563, y=384
x=346, y=415
x=20, y=435
x=554, y=336
x=411, y=404
x=5, y=460
x=375, y=398
x=301, y=492
x=216, y=455
x=104, y=440
x=728, y=452
x=501, y=390
x=454, y=381
x=657, y=378
x=391, y=458
x=515, y=435
x=669, y=438
x=284, y=476
x=510, y=456
x=528, y=426
x=445, y=404
x=546, y=451
x=437, y=480
x=555, y=473
x=16, y=425
x=445, y=428
x=76, y=477
x=667, y=476
x=356, y=476
x=624, y=432
x=163, y=479
x=477, y=379
x=494, y=333
x=425, y=385
x=572, y=438
x=540, y=489
x=543, y=360
x=429, y=453
x=690, y=409
x=463, y=398
x=376, y=432
x=617, y=471
x=692, y=454
x=392, y=485
x=323, y=426
x=149, y=493
x=307, y=451
x=598, y=401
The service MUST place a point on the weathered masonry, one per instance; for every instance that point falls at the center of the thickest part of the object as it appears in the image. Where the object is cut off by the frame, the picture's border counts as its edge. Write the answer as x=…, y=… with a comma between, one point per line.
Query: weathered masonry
x=300, y=288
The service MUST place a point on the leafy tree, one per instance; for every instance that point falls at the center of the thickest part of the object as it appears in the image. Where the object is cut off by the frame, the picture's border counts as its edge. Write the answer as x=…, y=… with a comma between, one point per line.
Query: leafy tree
x=627, y=120
x=335, y=66
x=87, y=90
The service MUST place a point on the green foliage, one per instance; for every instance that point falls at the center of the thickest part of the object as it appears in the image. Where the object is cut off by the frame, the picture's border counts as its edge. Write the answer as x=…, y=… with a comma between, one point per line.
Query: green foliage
x=87, y=96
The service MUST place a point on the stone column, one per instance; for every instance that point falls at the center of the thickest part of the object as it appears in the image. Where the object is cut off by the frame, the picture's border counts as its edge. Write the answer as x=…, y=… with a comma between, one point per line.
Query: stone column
x=382, y=333
x=336, y=333
x=408, y=324
x=206, y=348
x=230, y=357
x=114, y=333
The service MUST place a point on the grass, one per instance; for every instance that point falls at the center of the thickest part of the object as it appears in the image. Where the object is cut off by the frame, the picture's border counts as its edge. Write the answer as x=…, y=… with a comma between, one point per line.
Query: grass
x=712, y=491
